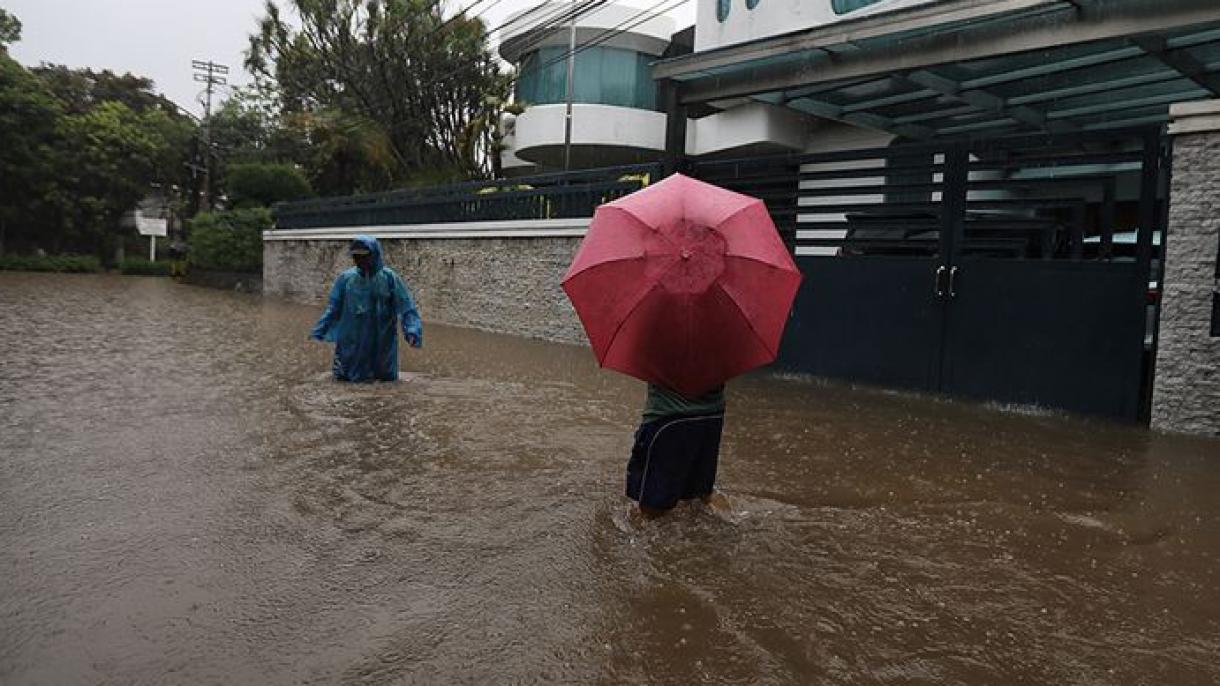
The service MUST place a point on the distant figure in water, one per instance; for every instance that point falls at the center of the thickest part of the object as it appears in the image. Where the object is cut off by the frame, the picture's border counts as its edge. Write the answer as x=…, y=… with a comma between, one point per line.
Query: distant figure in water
x=676, y=451
x=362, y=316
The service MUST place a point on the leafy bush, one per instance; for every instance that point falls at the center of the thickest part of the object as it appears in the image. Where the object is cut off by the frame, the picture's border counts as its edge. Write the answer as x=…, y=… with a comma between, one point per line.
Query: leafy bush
x=260, y=184
x=142, y=267
x=51, y=263
x=229, y=241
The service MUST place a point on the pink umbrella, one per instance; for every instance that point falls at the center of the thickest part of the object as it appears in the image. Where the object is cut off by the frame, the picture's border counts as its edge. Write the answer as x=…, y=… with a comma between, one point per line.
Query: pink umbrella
x=683, y=284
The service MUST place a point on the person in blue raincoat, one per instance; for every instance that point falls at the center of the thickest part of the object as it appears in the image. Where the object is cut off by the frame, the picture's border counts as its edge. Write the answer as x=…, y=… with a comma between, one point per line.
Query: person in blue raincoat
x=367, y=304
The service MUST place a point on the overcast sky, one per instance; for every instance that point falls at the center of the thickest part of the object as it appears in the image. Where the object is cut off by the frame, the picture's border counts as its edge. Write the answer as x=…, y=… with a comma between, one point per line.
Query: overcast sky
x=159, y=38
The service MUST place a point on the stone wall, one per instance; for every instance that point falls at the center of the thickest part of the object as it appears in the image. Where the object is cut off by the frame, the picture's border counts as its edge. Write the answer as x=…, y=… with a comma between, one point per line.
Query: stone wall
x=1186, y=397
x=508, y=284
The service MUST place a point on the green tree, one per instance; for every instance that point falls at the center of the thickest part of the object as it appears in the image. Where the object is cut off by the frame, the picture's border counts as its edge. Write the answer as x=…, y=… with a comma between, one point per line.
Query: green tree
x=78, y=148
x=390, y=72
x=28, y=121
x=339, y=153
x=344, y=153
x=80, y=90
x=110, y=158
x=10, y=30
x=261, y=184
x=244, y=126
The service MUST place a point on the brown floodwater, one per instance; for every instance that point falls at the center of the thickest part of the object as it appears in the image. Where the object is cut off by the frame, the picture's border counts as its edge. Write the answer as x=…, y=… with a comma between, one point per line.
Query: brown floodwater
x=188, y=498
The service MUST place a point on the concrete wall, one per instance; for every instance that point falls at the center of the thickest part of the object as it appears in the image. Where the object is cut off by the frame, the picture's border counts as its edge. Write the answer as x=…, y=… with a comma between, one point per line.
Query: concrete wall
x=1186, y=397
x=745, y=23
x=493, y=276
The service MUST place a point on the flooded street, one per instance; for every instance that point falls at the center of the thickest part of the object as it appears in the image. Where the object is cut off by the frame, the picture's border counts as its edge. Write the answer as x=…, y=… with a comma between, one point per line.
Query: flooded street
x=188, y=498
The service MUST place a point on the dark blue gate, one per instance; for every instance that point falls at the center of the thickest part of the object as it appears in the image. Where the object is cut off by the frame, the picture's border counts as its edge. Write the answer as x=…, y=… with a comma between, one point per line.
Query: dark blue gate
x=1016, y=270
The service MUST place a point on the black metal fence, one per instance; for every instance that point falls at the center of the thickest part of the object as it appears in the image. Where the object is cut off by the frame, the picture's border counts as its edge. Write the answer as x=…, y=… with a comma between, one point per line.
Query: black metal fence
x=543, y=196
x=1026, y=197
x=1020, y=269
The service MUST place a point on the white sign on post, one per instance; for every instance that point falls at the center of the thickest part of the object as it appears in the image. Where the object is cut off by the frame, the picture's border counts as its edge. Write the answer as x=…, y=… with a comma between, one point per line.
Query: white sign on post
x=151, y=227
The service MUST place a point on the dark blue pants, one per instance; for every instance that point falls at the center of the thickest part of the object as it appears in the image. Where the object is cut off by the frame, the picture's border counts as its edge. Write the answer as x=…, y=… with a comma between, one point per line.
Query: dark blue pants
x=674, y=459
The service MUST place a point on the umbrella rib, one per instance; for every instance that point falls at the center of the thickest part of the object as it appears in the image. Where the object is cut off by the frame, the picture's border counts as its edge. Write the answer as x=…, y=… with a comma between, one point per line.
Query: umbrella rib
x=747, y=320
x=734, y=213
x=623, y=320
x=643, y=224
x=604, y=263
x=769, y=265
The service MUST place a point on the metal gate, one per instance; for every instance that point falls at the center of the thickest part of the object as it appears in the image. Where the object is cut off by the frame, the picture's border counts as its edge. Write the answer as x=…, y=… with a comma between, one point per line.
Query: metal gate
x=1016, y=270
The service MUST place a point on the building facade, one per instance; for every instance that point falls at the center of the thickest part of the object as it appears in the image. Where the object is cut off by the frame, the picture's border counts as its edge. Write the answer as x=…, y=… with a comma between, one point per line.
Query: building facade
x=615, y=114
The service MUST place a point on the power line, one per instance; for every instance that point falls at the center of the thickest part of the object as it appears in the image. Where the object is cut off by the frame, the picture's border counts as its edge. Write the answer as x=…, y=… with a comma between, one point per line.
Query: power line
x=485, y=10
x=461, y=13
x=550, y=23
x=554, y=21
x=540, y=33
x=607, y=35
x=549, y=17
x=556, y=16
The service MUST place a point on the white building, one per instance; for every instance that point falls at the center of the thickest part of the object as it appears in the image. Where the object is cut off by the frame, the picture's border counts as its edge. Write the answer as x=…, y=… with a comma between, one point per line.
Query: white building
x=616, y=117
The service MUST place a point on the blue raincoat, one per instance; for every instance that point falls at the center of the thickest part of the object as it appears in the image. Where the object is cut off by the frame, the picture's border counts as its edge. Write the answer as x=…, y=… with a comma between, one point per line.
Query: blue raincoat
x=361, y=319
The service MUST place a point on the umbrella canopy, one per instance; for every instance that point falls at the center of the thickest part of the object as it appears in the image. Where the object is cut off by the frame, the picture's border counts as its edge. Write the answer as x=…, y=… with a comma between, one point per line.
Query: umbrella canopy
x=683, y=284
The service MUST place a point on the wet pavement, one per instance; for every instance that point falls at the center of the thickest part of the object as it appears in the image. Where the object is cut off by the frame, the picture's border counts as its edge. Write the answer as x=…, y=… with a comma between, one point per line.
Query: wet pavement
x=188, y=498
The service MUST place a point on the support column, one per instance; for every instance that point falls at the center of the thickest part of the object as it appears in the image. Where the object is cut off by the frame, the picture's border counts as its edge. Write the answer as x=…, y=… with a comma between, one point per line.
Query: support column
x=1186, y=395
x=675, y=129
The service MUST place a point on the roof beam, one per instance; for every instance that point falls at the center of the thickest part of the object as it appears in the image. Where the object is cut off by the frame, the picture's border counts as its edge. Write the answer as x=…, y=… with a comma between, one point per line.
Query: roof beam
x=1044, y=69
x=983, y=100
x=833, y=112
x=1130, y=103
x=1096, y=87
x=842, y=32
x=929, y=115
x=1121, y=19
x=1180, y=61
x=897, y=99
x=1052, y=68
x=823, y=87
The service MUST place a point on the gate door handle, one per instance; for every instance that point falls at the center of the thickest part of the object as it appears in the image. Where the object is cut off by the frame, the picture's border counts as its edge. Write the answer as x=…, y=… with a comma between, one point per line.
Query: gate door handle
x=952, y=281
x=938, y=289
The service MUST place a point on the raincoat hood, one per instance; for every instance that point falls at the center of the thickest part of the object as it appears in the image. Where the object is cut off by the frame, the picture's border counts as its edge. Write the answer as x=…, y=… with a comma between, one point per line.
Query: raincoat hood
x=374, y=249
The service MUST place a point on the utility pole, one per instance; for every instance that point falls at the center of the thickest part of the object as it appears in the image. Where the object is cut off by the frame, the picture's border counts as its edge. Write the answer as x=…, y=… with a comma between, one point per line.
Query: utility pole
x=567, y=121
x=211, y=74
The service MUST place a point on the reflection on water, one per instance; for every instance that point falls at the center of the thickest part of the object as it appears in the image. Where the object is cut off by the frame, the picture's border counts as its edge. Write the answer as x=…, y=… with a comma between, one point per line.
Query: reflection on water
x=188, y=498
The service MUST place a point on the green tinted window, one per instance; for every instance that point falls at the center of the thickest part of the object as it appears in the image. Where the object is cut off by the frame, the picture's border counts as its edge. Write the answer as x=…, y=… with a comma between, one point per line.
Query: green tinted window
x=602, y=76
x=845, y=6
x=722, y=10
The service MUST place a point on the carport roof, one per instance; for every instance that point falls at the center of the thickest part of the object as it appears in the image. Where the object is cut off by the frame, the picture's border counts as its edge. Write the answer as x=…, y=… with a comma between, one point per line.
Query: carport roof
x=976, y=68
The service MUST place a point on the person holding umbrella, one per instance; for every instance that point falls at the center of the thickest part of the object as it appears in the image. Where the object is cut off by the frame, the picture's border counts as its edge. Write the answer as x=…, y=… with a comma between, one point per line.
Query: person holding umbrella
x=683, y=285
x=366, y=304
x=676, y=451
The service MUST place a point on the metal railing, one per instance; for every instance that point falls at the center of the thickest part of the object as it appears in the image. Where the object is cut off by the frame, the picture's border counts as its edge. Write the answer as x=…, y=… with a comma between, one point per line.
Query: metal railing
x=542, y=196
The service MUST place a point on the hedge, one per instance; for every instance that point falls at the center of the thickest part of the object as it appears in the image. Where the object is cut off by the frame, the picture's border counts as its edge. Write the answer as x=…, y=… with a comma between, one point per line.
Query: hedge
x=142, y=267
x=51, y=263
x=229, y=241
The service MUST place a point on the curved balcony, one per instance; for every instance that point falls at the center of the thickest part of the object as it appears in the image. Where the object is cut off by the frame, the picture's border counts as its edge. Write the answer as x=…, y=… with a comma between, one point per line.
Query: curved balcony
x=602, y=135
x=613, y=94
